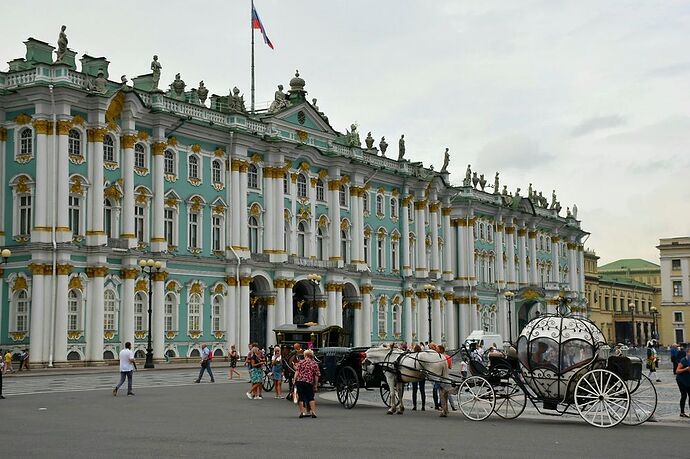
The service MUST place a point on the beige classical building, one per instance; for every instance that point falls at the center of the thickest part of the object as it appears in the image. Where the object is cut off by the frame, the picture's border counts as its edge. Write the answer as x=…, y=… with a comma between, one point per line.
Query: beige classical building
x=674, y=254
x=620, y=301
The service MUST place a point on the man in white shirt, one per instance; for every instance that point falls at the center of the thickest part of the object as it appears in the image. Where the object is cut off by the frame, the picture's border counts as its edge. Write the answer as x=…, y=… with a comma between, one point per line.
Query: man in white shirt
x=205, y=364
x=126, y=368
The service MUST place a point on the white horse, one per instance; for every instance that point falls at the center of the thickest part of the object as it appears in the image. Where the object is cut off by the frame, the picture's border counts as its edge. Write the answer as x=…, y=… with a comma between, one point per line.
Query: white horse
x=401, y=367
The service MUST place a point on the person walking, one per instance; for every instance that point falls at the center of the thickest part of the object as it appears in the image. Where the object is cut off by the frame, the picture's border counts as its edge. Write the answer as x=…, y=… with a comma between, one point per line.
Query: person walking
x=307, y=376
x=683, y=381
x=24, y=360
x=2, y=370
x=277, y=366
x=418, y=386
x=206, y=358
x=256, y=374
x=652, y=362
x=234, y=356
x=127, y=366
x=8, y=362
x=676, y=355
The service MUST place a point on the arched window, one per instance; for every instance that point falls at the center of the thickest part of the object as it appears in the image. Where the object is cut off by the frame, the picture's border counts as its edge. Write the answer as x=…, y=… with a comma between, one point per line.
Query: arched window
x=21, y=315
x=394, y=208
x=490, y=232
x=108, y=217
x=73, y=311
x=379, y=204
x=481, y=231
x=253, y=235
x=320, y=247
x=170, y=312
x=382, y=320
x=217, y=233
x=217, y=171
x=396, y=320
x=109, y=311
x=301, y=186
x=140, y=312
x=169, y=162
x=301, y=238
x=320, y=191
x=343, y=196
x=253, y=177
x=139, y=156
x=194, y=313
x=26, y=142
x=365, y=201
x=193, y=167
x=217, y=316
x=74, y=143
x=108, y=149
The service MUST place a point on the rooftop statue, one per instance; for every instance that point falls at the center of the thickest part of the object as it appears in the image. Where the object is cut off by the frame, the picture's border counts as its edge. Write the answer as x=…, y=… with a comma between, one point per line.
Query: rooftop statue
x=202, y=92
x=123, y=80
x=482, y=182
x=155, y=72
x=475, y=180
x=369, y=141
x=496, y=184
x=178, y=86
x=517, y=193
x=575, y=211
x=542, y=200
x=352, y=137
x=99, y=84
x=530, y=192
x=468, y=176
x=553, y=200
x=62, y=45
x=505, y=190
x=401, y=147
x=236, y=102
x=313, y=102
x=446, y=161
x=279, y=100
x=567, y=213
x=383, y=146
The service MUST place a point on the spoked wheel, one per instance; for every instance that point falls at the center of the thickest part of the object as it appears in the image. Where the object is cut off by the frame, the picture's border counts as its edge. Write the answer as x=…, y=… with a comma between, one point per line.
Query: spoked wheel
x=602, y=398
x=476, y=398
x=642, y=401
x=511, y=400
x=385, y=394
x=347, y=387
x=267, y=383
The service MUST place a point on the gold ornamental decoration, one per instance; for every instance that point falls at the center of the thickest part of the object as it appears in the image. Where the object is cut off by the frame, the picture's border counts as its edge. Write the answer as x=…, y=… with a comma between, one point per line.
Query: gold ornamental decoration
x=196, y=148
x=196, y=288
x=3, y=134
x=76, y=283
x=22, y=119
x=114, y=110
x=303, y=136
x=172, y=141
x=141, y=286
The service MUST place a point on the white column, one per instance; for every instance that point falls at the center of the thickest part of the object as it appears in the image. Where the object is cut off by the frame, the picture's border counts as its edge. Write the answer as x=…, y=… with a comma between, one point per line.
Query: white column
x=407, y=316
x=129, y=274
x=94, y=336
x=581, y=264
x=433, y=223
x=279, y=206
x=420, y=270
x=423, y=314
x=280, y=302
x=60, y=346
x=355, y=215
x=269, y=210
x=555, y=255
x=288, y=301
x=94, y=233
x=448, y=244
x=158, y=241
x=313, y=224
x=127, y=226
x=64, y=234
x=533, y=274
x=359, y=323
x=500, y=267
x=360, y=226
x=230, y=321
x=47, y=309
x=436, y=321
x=244, y=230
x=3, y=168
x=522, y=255
x=471, y=274
x=405, y=237
x=244, y=312
x=510, y=254
x=271, y=312
x=451, y=320
x=332, y=299
x=158, y=316
x=334, y=215
x=366, y=314
x=41, y=232
x=339, y=305
x=234, y=205
x=38, y=308
x=323, y=315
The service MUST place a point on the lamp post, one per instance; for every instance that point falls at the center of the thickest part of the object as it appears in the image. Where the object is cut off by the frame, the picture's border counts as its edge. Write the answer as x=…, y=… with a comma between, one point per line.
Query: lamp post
x=655, y=313
x=429, y=289
x=509, y=298
x=147, y=268
x=631, y=306
x=315, y=280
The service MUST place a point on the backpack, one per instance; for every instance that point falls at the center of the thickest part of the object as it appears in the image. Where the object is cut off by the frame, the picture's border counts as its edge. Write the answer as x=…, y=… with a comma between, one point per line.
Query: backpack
x=210, y=355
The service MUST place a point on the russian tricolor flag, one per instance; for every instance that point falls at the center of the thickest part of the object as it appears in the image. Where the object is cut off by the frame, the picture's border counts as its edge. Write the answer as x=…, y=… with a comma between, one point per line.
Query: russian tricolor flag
x=257, y=24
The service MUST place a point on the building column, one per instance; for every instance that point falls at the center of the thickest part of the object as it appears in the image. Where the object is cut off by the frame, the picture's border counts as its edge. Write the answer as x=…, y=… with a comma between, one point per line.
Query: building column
x=533, y=273
x=334, y=215
x=420, y=270
x=60, y=345
x=280, y=301
x=471, y=274
x=158, y=315
x=423, y=316
x=522, y=256
x=127, y=226
x=289, y=284
x=572, y=266
x=313, y=223
x=94, y=228
x=64, y=233
x=157, y=229
x=230, y=310
x=244, y=312
x=498, y=248
x=129, y=274
x=407, y=269
x=281, y=250
x=271, y=313
x=451, y=320
x=269, y=211
x=3, y=169
x=331, y=289
x=38, y=308
x=581, y=265
x=356, y=215
x=511, y=277
x=244, y=219
x=47, y=310
x=339, y=305
x=94, y=334
x=433, y=223
x=436, y=321
x=407, y=315
x=234, y=205
x=555, y=258
x=448, y=244
x=366, y=290
x=42, y=195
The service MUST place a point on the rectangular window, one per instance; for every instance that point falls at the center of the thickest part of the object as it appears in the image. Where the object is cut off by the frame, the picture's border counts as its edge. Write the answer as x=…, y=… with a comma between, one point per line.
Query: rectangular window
x=74, y=204
x=394, y=256
x=169, y=305
x=366, y=249
x=24, y=215
x=380, y=254
x=675, y=264
x=677, y=288
x=169, y=224
x=193, y=230
x=139, y=156
x=678, y=317
x=680, y=335
x=139, y=212
x=217, y=246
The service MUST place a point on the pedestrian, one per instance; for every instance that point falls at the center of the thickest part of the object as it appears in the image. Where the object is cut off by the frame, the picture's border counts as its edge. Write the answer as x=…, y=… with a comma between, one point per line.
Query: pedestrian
x=418, y=385
x=442, y=350
x=683, y=381
x=8, y=362
x=206, y=357
x=127, y=366
x=234, y=355
x=2, y=370
x=277, y=366
x=676, y=355
x=307, y=376
x=256, y=374
x=652, y=362
x=24, y=360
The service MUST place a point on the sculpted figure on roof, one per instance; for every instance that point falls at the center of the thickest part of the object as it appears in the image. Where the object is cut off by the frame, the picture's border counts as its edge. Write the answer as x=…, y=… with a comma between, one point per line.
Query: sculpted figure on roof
x=236, y=102
x=446, y=161
x=156, y=72
x=62, y=45
x=401, y=147
x=353, y=136
x=496, y=185
x=202, y=92
x=279, y=100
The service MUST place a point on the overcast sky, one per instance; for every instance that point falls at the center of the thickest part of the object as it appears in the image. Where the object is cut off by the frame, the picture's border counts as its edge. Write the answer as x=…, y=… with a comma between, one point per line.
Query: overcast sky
x=588, y=97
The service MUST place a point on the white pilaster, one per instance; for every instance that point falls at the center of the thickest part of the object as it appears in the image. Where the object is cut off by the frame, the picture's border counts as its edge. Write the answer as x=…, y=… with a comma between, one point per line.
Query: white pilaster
x=533, y=273
x=288, y=302
x=433, y=223
x=230, y=311
x=522, y=256
x=449, y=243
x=94, y=232
x=280, y=303
x=127, y=226
x=129, y=274
x=420, y=270
x=500, y=266
x=38, y=316
x=339, y=305
x=555, y=255
x=60, y=346
x=405, y=237
x=41, y=230
x=511, y=277
x=423, y=312
x=158, y=241
x=244, y=312
x=158, y=316
x=366, y=314
x=436, y=321
x=94, y=336
x=269, y=210
x=407, y=316
x=64, y=234
x=334, y=215
x=243, y=229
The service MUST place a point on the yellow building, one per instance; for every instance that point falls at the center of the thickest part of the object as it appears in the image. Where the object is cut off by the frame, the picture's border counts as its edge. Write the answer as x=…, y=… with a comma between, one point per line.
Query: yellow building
x=619, y=299
x=674, y=254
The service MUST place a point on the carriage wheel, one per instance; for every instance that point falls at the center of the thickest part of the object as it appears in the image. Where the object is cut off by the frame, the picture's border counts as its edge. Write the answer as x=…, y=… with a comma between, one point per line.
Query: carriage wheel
x=602, y=398
x=385, y=394
x=511, y=399
x=267, y=383
x=347, y=387
x=642, y=401
x=476, y=398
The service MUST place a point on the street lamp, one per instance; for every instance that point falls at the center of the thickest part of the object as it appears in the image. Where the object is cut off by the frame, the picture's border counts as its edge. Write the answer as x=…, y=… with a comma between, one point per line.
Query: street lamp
x=147, y=268
x=315, y=280
x=509, y=298
x=631, y=306
x=5, y=254
x=655, y=313
x=429, y=289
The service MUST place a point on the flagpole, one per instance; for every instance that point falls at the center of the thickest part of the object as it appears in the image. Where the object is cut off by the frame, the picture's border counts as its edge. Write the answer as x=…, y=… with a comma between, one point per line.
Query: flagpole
x=251, y=24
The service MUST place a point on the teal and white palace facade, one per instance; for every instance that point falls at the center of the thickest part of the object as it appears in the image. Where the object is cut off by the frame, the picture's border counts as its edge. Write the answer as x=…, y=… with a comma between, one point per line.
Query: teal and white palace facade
x=240, y=209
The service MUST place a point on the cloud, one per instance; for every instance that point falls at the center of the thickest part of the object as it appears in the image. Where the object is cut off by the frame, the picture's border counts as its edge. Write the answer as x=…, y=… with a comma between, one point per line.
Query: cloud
x=670, y=71
x=513, y=152
x=597, y=123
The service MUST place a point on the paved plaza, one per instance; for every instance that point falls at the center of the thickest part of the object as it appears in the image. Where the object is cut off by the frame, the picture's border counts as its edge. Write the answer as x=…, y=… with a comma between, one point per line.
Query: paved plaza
x=75, y=415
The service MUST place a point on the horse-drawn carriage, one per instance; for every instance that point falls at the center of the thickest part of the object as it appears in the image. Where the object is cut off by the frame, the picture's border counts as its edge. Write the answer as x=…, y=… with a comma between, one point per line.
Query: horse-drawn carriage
x=340, y=366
